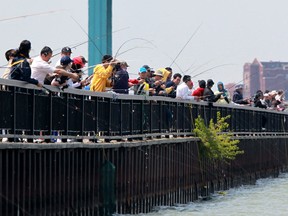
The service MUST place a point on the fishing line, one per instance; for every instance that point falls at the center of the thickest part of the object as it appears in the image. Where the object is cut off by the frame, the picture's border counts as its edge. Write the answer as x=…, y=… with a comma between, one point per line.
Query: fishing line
x=194, y=33
x=75, y=45
x=198, y=67
x=86, y=34
x=209, y=69
x=125, y=42
x=29, y=15
x=137, y=47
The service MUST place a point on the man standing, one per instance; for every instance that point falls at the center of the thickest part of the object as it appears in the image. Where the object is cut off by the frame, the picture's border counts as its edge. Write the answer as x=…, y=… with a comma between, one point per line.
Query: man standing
x=66, y=51
x=120, y=79
x=142, y=86
x=184, y=90
x=238, y=95
x=209, y=94
x=101, y=73
x=41, y=67
x=171, y=86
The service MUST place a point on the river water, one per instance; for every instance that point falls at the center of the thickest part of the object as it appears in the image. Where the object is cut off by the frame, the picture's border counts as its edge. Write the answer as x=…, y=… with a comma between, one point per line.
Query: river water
x=267, y=197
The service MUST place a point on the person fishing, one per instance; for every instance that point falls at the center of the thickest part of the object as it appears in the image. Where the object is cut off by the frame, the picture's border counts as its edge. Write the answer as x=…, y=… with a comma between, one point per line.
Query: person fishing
x=225, y=96
x=238, y=96
x=208, y=94
x=20, y=65
x=101, y=73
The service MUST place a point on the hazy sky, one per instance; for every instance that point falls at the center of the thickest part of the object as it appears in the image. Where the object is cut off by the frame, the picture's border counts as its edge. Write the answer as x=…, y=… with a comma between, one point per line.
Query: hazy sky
x=231, y=32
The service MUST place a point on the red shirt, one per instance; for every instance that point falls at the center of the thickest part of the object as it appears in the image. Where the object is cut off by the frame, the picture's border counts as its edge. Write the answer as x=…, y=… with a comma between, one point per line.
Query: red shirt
x=198, y=92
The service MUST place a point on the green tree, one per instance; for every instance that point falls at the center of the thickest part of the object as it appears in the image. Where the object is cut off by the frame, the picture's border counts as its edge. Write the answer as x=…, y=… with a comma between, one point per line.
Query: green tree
x=217, y=141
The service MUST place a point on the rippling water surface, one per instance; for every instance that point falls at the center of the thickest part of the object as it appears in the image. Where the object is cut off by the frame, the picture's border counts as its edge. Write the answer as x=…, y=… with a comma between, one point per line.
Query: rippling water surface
x=268, y=197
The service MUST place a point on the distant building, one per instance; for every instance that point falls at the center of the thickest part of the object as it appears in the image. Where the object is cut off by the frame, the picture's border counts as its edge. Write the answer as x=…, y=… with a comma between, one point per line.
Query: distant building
x=230, y=88
x=264, y=76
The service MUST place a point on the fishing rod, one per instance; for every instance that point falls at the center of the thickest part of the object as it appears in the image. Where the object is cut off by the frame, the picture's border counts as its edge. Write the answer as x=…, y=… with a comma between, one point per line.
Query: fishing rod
x=75, y=45
x=209, y=69
x=29, y=15
x=198, y=67
x=190, y=67
x=125, y=42
x=194, y=33
x=136, y=47
x=87, y=34
x=181, y=70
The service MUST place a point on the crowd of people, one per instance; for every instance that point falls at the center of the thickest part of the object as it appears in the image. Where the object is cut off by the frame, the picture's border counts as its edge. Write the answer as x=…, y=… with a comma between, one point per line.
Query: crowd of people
x=66, y=73
x=112, y=74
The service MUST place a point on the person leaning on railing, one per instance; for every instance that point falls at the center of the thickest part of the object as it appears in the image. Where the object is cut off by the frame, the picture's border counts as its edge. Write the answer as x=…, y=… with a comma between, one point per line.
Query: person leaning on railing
x=41, y=66
x=238, y=96
x=171, y=86
x=157, y=85
x=208, y=94
x=101, y=73
x=198, y=93
x=20, y=65
x=184, y=90
x=9, y=55
x=120, y=78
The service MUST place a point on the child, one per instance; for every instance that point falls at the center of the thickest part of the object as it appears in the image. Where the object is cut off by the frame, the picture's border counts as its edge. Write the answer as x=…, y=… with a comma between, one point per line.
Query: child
x=61, y=81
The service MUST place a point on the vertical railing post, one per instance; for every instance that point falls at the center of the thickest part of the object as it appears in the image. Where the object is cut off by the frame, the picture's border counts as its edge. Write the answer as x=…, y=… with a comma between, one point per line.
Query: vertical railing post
x=151, y=116
x=160, y=116
x=142, y=117
x=66, y=125
x=33, y=115
x=109, y=116
x=83, y=115
x=131, y=117
x=14, y=113
x=121, y=117
x=96, y=115
x=50, y=114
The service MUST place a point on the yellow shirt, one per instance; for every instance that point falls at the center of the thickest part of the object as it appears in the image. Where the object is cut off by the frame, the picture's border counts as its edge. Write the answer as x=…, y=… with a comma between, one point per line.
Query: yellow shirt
x=100, y=76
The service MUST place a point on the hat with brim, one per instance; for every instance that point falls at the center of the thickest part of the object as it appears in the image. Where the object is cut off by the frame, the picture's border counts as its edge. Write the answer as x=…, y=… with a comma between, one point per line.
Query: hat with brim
x=66, y=50
x=124, y=63
x=274, y=92
x=158, y=73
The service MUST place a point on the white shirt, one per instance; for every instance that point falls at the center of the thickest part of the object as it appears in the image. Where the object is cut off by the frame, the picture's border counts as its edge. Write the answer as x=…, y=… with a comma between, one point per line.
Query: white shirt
x=184, y=92
x=40, y=69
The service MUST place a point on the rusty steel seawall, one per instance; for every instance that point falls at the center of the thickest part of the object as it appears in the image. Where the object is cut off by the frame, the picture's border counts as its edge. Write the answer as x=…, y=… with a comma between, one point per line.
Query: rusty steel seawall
x=65, y=179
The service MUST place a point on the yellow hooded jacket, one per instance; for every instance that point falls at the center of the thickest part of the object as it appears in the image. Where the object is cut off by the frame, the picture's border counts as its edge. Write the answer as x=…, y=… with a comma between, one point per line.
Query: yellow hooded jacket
x=165, y=73
x=99, y=80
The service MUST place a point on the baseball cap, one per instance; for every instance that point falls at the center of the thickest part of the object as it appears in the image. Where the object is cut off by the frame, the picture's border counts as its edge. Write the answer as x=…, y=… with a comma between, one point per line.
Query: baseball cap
x=65, y=60
x=79, y=60
x=66, y=50
x=107, y=58
x=142, y=70
x=147, y=67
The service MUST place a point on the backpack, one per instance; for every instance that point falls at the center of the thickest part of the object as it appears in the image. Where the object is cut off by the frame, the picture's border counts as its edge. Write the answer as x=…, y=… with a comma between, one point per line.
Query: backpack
x=20, y=70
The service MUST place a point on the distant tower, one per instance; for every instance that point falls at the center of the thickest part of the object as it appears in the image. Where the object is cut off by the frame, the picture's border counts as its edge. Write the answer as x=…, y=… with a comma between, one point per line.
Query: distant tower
x=251, y=77
x=99, y=30
x=265, y=76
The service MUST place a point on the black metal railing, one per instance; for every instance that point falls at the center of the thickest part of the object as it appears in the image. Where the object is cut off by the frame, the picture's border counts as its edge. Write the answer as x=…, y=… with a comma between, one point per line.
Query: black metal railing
x=27, y=111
